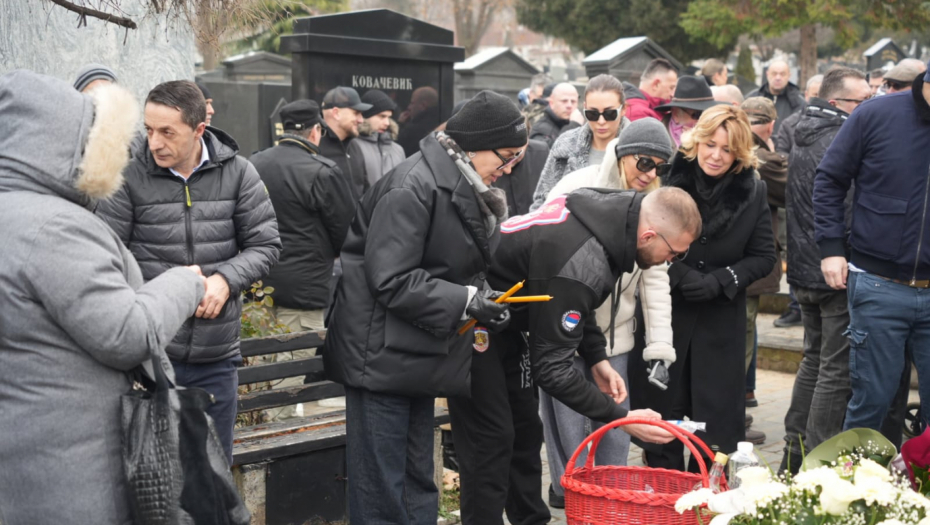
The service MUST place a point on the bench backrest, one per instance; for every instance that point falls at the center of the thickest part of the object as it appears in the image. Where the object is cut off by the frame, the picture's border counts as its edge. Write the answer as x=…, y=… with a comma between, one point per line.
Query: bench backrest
x=259, y=373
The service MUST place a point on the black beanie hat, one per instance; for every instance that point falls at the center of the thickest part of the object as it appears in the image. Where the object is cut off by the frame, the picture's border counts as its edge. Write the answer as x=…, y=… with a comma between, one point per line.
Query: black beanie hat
x=488, y=121
x=379, y=102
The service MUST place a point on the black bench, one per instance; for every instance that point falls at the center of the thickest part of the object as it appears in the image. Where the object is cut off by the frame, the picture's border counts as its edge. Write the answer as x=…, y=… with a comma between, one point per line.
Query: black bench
x=293, y=471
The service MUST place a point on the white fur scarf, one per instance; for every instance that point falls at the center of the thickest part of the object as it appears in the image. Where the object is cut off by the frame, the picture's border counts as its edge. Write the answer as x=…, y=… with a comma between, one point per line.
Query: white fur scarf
x=106, y=152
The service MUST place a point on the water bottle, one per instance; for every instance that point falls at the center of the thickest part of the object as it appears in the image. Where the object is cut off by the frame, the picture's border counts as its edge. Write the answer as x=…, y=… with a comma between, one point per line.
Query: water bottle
x=742, y=458
x=716, y=471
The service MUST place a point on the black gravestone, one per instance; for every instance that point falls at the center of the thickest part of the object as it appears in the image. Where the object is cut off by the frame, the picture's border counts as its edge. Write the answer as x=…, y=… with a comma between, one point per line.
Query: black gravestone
x=882, y=53
x=410, y=60
x=498, y=69
x=627, y=58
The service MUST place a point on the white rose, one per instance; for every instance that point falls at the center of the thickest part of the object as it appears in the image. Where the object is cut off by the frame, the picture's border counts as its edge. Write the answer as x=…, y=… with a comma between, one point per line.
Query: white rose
x=818, y=477
x=925, y=521
x=891, y=522
x=869, y=469
x=876, y=491
x=693, y=500
x=752, y=476
x=836, y=497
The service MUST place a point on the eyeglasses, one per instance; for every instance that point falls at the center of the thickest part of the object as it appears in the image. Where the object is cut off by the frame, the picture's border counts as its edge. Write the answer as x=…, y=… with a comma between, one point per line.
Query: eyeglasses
x=893, y=84
x=693, y=113
x=594, y=115
x=854, y=100
x=676, y=256
x=646, y=164
x=508, y=162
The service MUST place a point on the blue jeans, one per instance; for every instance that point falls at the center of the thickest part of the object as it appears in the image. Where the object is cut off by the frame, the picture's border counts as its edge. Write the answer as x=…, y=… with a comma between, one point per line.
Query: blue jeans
x=389, y=458
x=565, y=429
x=222, y=381
x=885, y=318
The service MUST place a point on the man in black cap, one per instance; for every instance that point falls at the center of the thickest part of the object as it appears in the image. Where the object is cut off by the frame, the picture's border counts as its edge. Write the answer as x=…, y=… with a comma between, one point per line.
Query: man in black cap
x=374, y=152
x=92, y=75
x=342, y=114
x=692, y=97
x=314, y=206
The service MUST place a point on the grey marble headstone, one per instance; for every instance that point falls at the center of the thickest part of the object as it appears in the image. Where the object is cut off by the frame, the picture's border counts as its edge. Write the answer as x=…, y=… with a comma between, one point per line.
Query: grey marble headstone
x=46, y=39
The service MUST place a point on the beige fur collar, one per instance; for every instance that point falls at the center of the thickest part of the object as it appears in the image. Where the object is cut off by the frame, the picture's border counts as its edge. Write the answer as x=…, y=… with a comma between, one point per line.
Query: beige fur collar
x=106, y=152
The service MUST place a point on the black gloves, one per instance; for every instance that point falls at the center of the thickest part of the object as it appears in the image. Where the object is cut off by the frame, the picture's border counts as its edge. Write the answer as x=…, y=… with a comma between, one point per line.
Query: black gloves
x=658, y=374
x=495, y=317
x=699, y=287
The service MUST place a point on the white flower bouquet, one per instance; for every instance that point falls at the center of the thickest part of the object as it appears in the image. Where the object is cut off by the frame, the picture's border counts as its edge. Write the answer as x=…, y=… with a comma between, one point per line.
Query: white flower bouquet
x=852, y=489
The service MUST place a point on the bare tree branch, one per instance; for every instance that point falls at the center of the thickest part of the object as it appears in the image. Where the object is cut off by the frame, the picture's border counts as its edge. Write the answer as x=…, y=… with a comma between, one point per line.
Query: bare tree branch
x=84, y=12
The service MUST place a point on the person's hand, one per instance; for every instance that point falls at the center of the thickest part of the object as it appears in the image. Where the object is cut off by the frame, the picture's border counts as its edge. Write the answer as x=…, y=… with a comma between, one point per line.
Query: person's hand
x=647, y=433
x=194, y=268
x=214, y=298
x=609, y=381
x=835, y=271
x=495, y=317
x=701, y=290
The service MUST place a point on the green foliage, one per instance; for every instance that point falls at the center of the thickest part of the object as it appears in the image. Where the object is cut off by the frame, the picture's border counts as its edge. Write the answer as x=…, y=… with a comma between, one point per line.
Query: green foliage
x=744, y=64
x=279, y=18
x=258, y=320
x=591, y=24
x=721, y=20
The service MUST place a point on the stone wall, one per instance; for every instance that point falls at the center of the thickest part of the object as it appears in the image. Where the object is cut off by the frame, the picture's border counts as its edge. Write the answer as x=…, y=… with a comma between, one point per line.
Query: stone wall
x=45, y=38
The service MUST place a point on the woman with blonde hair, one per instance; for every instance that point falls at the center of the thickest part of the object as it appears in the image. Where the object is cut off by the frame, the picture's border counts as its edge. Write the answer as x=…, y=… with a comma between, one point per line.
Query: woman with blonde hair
x=633, y=161
x=716, y=166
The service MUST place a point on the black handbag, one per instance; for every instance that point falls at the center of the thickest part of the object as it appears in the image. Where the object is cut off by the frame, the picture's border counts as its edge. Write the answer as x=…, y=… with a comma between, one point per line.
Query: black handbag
x=174, y=463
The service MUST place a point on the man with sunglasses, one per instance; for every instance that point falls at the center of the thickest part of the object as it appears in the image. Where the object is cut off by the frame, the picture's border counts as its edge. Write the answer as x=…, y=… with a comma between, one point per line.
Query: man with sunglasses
x=902, y=75
x=574, y=248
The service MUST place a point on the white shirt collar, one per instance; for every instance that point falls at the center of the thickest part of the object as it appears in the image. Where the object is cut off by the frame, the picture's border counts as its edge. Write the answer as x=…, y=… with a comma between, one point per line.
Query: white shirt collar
x=204, y=158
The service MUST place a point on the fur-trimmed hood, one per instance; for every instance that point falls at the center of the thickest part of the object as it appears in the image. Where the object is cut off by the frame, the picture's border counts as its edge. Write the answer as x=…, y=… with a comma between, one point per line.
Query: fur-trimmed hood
x=364, y=130
x=55, y=140
x=718, y=217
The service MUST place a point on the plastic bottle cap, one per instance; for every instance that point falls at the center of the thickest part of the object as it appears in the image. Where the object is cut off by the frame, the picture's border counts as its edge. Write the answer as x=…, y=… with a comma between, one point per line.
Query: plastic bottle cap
x=744, y=446
x=721, y=458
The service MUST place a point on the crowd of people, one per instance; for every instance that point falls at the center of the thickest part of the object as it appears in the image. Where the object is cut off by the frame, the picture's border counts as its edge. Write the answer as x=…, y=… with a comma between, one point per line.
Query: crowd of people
x=652, y=216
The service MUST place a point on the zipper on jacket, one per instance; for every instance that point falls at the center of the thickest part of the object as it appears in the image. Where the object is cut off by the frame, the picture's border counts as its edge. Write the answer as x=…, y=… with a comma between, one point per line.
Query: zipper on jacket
x=923, y=223
x=190, y=260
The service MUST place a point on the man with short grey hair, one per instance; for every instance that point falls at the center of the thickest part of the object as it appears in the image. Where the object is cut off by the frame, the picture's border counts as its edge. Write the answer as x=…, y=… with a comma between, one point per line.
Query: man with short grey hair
x=728, y=94
x=190, y=199
x=779, y=89
x=557, y=117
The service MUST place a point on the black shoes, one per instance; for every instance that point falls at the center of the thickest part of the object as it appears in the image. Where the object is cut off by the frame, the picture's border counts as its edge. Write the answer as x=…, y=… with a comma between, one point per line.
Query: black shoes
x=751, y=401
x=790, y=318
x=748, y=420
x=556, y=501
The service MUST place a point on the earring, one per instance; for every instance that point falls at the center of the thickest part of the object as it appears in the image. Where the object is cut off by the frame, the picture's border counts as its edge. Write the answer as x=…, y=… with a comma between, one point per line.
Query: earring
x=472, y=154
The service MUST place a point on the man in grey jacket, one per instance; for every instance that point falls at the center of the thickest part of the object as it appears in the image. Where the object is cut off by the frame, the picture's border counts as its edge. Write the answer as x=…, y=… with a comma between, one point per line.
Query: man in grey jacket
x=189, y=199
x=374, y=153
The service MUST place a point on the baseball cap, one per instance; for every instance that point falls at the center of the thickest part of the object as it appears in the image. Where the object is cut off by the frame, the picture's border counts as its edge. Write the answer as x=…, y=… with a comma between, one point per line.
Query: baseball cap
x=300, y=114
x=760, y=110
x=344, y=97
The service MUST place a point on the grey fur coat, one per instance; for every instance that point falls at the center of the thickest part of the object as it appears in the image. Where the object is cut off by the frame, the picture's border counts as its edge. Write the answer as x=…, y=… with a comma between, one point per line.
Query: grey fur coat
x=569, y=153
x=74, y=312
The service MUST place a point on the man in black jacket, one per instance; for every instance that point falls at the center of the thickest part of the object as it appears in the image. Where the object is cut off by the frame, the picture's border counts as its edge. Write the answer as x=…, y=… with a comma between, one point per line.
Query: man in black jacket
x=822, y=385
x=778, y=88
x=342, y=113
x=556, y=119
x=189, y=199
x=574, y=248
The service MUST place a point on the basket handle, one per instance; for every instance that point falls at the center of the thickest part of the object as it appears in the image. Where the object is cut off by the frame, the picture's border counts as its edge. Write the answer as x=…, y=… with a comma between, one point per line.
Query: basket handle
x=682, y=435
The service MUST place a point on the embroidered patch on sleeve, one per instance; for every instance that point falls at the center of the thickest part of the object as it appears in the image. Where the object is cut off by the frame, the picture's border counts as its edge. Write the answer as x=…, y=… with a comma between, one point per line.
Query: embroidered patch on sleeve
x=553, y=212
x=570, y=320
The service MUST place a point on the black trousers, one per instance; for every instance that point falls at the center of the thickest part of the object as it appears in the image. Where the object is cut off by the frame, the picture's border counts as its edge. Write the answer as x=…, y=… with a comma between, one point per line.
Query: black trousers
x=498, y=437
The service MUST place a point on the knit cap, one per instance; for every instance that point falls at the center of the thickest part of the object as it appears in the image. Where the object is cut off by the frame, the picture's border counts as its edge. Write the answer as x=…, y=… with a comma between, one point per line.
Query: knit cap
x=92, y=72
x=379, y=102
x=488, y=121
x=645, y=136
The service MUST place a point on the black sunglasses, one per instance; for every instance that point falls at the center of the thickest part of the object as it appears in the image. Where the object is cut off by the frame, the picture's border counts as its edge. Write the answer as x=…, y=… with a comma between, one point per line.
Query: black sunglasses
x=508, y=162
x=676, y=256
x=646, y=164
x=594, y=115
x=893, y=84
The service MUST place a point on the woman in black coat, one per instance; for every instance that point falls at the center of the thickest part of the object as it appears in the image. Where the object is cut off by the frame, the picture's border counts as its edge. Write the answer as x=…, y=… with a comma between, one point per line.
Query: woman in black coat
x=414, y=266
x=716, y=167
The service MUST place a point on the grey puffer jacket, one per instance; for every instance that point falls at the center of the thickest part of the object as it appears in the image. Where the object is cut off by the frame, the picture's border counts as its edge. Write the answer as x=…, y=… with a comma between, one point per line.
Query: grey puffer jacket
x=569, y=153
x=74, y=312
x=220, y=218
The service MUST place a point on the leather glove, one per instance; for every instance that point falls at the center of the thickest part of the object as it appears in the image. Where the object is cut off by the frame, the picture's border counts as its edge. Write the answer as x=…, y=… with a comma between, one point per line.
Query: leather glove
x=658, y=374
x=701, y=290
x=495, y=317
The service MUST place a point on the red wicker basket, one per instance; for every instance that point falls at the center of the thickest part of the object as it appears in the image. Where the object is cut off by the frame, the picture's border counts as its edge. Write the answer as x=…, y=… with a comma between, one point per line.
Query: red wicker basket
x=615, y=495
